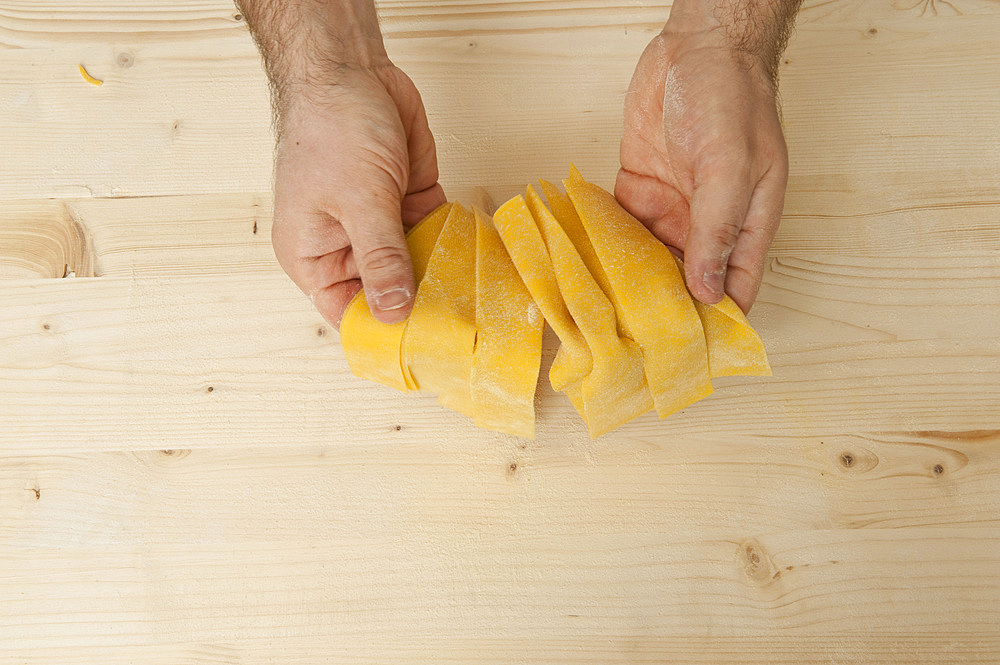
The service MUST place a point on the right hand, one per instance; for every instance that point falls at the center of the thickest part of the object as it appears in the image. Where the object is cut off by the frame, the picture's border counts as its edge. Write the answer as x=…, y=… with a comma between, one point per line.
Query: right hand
x=355, y=163
x=704, y=162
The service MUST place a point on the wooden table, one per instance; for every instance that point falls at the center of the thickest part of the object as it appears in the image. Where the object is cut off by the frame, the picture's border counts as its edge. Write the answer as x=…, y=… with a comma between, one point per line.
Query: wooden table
x=190, y=474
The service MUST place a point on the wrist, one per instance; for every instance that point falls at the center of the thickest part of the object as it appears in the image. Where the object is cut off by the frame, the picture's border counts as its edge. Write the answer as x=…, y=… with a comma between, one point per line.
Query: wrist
x=324, y=86
x=711, y=45
x=755, y=31
x=694, y=17
x=311, y=46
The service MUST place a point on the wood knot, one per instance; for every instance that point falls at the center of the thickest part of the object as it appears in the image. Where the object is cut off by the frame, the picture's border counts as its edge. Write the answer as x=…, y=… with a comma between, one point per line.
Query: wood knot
x=856, y=460
x=938, y=469
x=174, y=454
x=125, y=60
x=511, y=470
x=756, y=562
x=49, y=242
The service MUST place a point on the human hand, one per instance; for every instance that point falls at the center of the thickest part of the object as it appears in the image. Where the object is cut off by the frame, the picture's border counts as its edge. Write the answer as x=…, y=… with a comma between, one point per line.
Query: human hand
x=703, y=159
x=355, y=163
x=355, y=159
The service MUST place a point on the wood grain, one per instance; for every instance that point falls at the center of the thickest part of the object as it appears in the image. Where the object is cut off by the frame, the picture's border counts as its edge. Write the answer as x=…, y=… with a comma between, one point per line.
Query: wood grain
x=552, y=550
x=190, y=474
x=116, y=351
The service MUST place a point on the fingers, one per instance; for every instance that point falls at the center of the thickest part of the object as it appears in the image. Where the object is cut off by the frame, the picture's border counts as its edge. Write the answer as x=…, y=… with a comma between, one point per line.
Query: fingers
x=331, y=301
x=422, y=151
x=659, y=206
x=423, y=193
x=374, y=227
x=324, y=253
x=718, y=209
x=746, y=263
x=418, y=205
x=315, y=252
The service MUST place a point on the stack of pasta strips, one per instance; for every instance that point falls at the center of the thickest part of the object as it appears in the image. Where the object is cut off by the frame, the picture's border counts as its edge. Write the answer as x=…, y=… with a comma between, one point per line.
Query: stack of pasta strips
x=631, y=336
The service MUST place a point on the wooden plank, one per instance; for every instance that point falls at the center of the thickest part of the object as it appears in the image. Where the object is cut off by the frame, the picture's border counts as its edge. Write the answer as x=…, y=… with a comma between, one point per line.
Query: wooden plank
x=603, y=596
x=82, y=361
x=230, y=233
x=163, y=236
x=414, y=520
x=850, y=648
x=640, y=484
x=168, y=102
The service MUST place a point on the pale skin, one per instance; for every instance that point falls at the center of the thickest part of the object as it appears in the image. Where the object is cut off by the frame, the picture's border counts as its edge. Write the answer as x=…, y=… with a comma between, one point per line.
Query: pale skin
x=703, y=159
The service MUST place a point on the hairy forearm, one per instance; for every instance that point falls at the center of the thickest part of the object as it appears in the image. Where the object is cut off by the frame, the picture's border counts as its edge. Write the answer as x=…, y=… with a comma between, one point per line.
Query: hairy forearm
x=305, y=43
x=758, y=28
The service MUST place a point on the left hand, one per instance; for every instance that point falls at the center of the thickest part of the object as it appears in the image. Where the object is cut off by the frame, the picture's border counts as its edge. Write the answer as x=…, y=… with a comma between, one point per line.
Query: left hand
x=703, y=160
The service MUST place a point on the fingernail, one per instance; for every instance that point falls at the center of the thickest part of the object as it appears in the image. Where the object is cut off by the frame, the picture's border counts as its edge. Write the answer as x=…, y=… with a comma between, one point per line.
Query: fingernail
x=394, y=298
x=713, y=281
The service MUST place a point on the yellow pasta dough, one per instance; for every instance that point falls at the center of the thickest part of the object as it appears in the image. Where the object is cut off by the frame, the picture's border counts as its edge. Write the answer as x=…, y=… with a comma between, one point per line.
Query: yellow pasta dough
x=440, y=335
x=734, y=348
x=526, y=248
x=373, y=349
x=563, y=210
x=654, y=302
x=631, y=336
x=614, y=391
x=508, y=350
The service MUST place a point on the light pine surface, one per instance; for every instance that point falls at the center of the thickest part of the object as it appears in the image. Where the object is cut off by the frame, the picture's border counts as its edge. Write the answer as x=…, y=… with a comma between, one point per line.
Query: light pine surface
x=190, y=474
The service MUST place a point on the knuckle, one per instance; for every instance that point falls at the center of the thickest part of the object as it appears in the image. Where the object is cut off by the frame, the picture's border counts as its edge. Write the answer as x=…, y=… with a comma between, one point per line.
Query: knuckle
x=724, y=234
x=381, y=259
x=735, y=157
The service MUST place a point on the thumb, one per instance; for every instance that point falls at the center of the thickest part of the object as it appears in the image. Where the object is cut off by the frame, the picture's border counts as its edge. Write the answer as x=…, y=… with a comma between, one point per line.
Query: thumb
x=375, y=230
x=718, y=208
